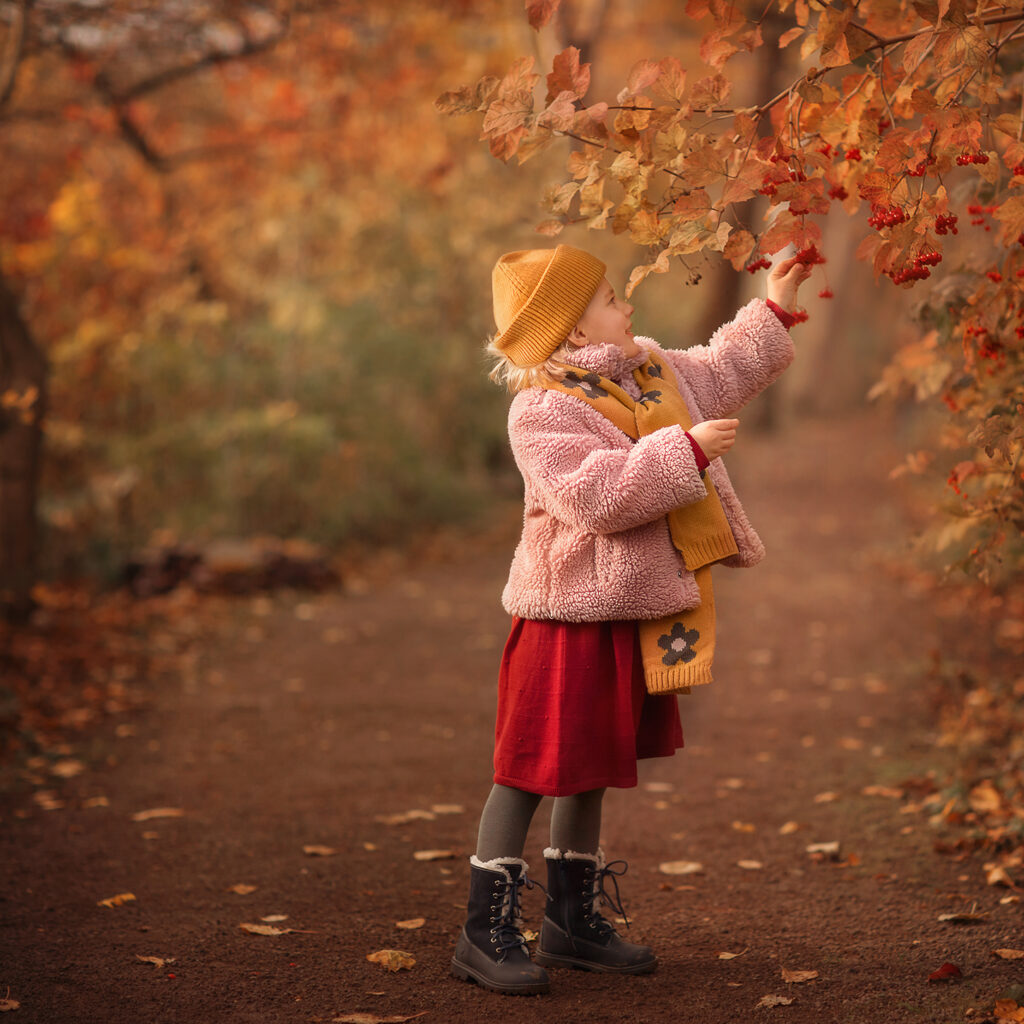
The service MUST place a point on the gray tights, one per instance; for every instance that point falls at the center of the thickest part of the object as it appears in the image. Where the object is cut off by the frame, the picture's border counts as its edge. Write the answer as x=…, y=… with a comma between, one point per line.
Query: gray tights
x=575, y=822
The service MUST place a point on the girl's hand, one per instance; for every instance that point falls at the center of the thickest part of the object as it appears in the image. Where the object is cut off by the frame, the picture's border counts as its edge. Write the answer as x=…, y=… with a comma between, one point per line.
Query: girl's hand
x=715, y=437
x=784, y=280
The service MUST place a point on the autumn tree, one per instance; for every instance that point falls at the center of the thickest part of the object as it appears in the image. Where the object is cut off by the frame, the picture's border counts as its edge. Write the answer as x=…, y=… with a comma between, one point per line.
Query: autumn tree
x=904, y=115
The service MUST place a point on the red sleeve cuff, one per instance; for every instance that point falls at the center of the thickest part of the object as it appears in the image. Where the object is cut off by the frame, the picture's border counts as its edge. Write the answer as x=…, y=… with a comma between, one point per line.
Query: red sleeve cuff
x=698, y=453
x=787, y=318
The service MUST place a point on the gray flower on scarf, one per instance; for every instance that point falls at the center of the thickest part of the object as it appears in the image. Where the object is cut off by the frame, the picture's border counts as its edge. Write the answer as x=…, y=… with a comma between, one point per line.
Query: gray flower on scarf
x=654, y=370
x=679, y=645
x=588, y=383
x=650, y=396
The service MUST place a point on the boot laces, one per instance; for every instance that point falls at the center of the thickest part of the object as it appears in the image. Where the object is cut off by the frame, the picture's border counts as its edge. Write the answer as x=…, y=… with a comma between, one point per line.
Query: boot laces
x=598, y=894
x=507, y=931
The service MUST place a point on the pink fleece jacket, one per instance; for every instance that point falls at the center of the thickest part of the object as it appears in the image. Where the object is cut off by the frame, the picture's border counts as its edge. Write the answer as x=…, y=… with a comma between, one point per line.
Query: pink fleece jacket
x=595, y=542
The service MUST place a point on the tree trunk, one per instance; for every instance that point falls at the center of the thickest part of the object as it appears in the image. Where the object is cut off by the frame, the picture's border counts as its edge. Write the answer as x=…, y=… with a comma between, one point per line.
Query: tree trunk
x=23, y=378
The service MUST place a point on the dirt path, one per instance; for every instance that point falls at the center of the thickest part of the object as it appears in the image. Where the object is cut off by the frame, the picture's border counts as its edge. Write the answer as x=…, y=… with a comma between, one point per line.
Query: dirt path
x=311, y=718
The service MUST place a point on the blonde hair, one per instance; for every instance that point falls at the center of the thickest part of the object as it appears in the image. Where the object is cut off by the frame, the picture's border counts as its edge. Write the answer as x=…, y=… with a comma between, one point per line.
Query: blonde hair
x=517, y=378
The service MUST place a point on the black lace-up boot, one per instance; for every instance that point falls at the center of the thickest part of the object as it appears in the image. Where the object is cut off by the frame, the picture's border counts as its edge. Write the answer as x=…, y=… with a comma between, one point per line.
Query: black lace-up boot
x=491, y=949
x=574, y=934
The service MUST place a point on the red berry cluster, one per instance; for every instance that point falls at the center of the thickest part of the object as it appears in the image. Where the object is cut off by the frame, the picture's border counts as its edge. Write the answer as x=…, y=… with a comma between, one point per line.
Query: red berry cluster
x=918, y=171
x=768, y=188
x=826, y=149
x=884, y=125
x=1019, y=331
x=971, y=158
x=838, y=192
x=944, y=223
x=761, y=264
x=853, y=154
x=886, y=216
x=918, y=270
x=994, y=276
x=809, y=255
x=799, y=316
x=825, y=293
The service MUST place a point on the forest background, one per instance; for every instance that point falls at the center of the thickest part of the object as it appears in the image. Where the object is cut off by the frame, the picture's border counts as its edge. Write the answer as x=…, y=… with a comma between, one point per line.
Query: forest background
x=245, y=267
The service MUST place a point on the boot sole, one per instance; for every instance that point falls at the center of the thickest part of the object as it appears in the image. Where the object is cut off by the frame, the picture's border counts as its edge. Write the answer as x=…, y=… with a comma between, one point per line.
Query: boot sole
x=558, y=960
x=465, y=973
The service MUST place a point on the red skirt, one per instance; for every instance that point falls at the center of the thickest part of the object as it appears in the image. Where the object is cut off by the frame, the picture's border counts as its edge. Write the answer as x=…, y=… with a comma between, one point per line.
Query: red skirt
x=573, y=711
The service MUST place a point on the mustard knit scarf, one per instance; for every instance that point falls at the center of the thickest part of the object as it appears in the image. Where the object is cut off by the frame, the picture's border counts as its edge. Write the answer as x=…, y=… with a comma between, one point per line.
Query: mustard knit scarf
x=677, y=650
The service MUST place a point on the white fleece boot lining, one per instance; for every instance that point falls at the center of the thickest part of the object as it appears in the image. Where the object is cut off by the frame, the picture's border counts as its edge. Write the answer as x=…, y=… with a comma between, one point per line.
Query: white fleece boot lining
x=499, y=864
x=551, y=853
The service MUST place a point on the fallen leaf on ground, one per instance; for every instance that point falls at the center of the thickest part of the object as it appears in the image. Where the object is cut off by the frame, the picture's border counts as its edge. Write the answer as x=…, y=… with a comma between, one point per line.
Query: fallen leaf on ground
x=274, y=918
x=827, y=797
x=96, y=801
x=658, y=787
x=770, y=1001
x=404, y=817
x=947, y=972
x=743, y=826
x=446, y=809
x=997, y=875
x=731, y=783
x=241, y=889
x=750, y=865
x=264, y=929
x=963, y=917
x=731, y=956
x=1009, y=954
x=985, y=798
x=887, y=791
x=319, y=851
x=788, y=828
x=826, y=849
x=156, y=961
x=8, y=1004
x=116, y=901
x=67, y=769
x=1009, y=899
x=434, y=854
x=158, y=812
x=1008, y=1012
x=413, y=922
x=392, y=959
x=530, y=935
x=680, y=867
x=372, y=1018
x=797, y=977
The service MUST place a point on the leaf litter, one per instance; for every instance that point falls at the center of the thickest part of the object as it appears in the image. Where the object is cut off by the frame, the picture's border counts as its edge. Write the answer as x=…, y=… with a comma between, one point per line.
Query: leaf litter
x=770, y=1001
x=156, y=961
x=117, y=901
x=158, y=812
x=392, y=959
x=372, y=1018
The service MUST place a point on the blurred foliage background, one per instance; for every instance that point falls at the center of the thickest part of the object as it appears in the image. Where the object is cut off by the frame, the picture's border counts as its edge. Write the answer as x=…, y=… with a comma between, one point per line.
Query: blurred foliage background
x=258, y=261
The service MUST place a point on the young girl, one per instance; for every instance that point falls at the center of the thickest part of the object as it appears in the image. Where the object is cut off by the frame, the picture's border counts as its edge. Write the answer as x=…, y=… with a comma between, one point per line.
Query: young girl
x=627, y=506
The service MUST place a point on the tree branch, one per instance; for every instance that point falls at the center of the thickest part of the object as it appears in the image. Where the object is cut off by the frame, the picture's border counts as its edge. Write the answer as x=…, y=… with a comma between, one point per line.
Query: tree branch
x=10, y=60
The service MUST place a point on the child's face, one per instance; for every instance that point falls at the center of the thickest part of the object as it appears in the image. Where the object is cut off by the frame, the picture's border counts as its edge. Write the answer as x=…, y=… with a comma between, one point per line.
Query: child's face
x=606, y=321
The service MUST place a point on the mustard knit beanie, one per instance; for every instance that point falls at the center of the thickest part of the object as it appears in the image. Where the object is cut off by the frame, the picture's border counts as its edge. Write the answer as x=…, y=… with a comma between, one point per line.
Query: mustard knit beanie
x=539, y=295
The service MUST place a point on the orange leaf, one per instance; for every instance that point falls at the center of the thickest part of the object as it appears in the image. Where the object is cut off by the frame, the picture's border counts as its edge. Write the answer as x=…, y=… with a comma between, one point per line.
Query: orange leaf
x=568, y=75
x=392, y=959
x=540, y=12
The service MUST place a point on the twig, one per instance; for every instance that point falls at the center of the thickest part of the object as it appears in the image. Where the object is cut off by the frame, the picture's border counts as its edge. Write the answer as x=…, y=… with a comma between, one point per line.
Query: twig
x=11, y=58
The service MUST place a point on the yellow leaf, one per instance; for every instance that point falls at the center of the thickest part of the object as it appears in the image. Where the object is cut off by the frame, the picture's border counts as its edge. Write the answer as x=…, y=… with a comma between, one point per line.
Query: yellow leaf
x=274, y=918
x=797, y=977
x=156, y=961
x=750, y=865
x=985, y=798
x=8, y=1004
x=241, y=889
x=826, y=798
x=319, y=851
x=158, y=812
x=434, y=855
x=770, y=1001
x=681, y=867
x=413, y=922
x=789, y=828
x=372, y=1018
x=1009, y=954
x=264, y=929
x=116, y=901
x=731, y=956
x=392, y=959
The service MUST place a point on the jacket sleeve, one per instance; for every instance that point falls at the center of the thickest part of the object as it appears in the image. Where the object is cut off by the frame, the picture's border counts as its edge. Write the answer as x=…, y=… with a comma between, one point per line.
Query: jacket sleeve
x=742, y=358
x=574, y=467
